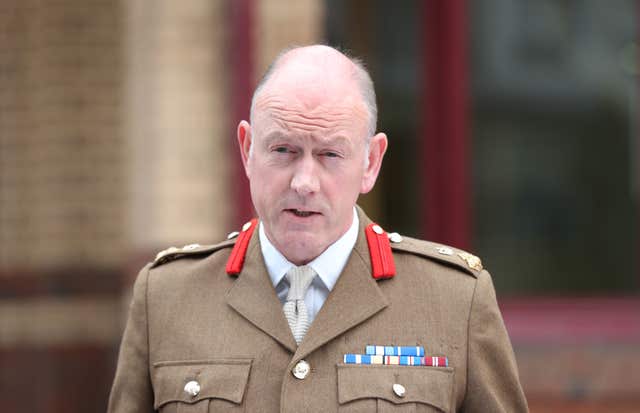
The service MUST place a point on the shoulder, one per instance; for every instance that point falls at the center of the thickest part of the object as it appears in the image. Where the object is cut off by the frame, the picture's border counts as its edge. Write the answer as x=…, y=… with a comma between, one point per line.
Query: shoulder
x=192, y=251
x=439, y=253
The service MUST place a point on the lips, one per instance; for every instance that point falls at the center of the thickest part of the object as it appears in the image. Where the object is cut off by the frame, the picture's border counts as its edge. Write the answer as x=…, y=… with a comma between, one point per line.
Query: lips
x=301, y=213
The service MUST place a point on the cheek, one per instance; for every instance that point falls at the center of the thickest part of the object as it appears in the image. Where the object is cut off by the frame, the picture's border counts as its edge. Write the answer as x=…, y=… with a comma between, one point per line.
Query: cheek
x=356, y=177
x=268, y=182
x=344, y=188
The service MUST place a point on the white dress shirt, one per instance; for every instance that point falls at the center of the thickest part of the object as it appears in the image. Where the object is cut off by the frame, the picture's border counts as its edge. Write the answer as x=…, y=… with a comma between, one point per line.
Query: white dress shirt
x=328, y=266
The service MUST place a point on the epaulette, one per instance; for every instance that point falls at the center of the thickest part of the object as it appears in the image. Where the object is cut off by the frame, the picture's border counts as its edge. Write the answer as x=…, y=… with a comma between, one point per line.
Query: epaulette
x=174, y=253
x=460, y=259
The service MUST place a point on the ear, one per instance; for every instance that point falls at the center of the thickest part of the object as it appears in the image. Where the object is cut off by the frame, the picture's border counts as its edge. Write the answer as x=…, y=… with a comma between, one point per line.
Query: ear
x=377, y=148
x=244, y=141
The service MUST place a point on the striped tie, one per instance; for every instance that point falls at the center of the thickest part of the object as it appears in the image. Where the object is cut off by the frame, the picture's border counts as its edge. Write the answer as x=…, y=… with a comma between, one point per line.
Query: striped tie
x=294, y=308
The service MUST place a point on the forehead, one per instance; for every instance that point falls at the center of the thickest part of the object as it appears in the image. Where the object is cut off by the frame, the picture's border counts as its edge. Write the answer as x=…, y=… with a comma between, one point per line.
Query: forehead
x=291, y=113
x=307, y=108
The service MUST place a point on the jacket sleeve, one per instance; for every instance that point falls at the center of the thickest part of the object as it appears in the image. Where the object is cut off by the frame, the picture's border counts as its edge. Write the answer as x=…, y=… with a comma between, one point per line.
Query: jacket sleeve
x=131, y=390
x=492, y=374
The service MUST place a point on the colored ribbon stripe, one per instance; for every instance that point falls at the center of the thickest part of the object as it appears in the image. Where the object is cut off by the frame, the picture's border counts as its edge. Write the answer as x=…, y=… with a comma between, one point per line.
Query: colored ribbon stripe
x=435, y=361
x=403, y=360
x=431, y=361
x=362, y=359
x=417, y=351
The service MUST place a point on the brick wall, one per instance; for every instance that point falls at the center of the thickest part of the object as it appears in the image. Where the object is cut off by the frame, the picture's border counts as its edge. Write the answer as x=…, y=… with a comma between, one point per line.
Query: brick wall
x=114, y=143
x=63, y=202
x=62, y=176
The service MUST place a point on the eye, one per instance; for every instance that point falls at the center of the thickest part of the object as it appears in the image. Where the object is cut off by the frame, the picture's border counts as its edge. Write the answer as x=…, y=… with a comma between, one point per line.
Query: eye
x=331, y=155
x=281, y=149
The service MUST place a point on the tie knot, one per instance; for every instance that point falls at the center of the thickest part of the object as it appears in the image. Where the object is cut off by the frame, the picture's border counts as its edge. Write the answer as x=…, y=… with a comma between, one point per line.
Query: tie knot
x=299, y=281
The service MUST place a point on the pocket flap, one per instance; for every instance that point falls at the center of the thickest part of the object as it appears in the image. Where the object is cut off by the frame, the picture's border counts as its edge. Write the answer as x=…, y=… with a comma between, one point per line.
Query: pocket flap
x=428, y=385
x=216, y=379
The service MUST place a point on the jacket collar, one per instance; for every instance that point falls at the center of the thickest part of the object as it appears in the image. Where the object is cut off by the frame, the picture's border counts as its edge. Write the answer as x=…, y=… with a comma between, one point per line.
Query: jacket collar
x=355, y=298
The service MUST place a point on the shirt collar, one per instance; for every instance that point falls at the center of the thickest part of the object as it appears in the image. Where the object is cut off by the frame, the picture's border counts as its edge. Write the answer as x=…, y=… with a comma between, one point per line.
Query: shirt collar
x=328, y=265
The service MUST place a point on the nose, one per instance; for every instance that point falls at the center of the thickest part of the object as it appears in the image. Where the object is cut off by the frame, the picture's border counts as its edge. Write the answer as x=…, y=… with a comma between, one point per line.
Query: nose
x=305, y=177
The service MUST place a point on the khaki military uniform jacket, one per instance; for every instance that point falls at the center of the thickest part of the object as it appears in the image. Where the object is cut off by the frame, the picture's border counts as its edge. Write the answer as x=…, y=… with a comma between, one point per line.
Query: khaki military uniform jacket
x=190, y=321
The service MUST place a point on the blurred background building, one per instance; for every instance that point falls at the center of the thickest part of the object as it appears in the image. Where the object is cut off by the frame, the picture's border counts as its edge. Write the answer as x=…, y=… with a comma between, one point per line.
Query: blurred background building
x=513, y=131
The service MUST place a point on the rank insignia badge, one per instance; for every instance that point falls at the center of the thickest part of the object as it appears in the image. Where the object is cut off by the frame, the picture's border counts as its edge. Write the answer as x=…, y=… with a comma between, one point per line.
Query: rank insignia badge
x=472, y=261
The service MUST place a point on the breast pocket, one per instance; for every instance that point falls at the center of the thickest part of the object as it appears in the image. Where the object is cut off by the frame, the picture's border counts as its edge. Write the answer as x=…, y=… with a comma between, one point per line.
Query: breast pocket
x=367, y=388
x=200, y=386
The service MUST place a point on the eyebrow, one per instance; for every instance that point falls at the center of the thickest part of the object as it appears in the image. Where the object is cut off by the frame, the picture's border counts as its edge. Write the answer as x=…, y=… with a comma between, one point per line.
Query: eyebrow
x=338, y=140
x=272, y=136
x=333, y=140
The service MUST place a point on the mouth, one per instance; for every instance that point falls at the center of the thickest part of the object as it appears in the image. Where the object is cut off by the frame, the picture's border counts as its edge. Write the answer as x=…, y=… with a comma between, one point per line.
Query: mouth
x=301, y=213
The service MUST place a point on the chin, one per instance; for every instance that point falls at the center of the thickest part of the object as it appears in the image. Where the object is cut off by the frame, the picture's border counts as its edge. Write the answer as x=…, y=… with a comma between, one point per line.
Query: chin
x=301, y=251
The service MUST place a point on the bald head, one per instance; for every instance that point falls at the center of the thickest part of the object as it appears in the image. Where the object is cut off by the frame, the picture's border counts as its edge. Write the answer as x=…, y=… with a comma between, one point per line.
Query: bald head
x=320, y=73
x=310, y=149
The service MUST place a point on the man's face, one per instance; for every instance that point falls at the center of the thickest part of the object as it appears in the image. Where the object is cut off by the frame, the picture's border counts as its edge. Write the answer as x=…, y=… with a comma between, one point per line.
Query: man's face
x=307, y=165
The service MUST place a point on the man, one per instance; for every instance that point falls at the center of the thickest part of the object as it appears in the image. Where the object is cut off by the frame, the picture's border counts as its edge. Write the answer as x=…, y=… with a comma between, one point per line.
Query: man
x=278, y=318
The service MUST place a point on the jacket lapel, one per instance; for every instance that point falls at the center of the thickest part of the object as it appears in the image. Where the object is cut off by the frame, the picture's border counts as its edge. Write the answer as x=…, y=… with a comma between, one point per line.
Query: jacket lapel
x=254, y=297
x=355, y=298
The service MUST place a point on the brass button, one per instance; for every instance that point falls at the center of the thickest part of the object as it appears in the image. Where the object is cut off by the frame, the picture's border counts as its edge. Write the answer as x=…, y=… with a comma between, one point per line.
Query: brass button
x=301, y=370
x=395, y=237
x=399, y=390
x=377, y=229
x=192, y=388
